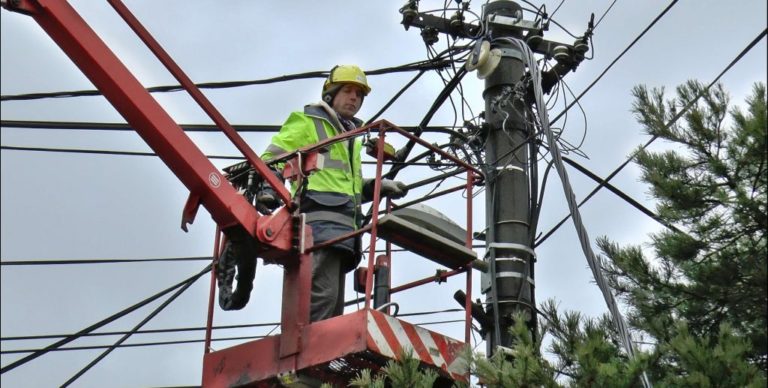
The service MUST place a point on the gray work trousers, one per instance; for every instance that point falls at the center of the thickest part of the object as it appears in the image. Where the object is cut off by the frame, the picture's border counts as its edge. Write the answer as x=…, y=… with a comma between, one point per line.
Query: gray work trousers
x=327, y=284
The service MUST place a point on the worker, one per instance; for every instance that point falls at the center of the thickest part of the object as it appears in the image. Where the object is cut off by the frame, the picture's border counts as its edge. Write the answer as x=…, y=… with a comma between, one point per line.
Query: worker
x=333, y=195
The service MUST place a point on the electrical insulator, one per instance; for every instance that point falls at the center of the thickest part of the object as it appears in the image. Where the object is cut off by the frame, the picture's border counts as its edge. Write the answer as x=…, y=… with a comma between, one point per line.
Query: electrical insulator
x=429, y=35
x=580, y=46
x=561, y=54
x=456, y=23
x=533, y=39
x=410, y=12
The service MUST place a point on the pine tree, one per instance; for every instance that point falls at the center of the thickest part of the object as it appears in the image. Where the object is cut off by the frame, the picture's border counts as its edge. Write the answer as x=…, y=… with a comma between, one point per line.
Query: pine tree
x=701, y=294
x=405, y=371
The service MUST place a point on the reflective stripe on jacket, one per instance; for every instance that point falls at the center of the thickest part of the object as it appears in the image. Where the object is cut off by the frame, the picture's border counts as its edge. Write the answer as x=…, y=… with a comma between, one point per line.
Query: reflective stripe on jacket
x=334, y=193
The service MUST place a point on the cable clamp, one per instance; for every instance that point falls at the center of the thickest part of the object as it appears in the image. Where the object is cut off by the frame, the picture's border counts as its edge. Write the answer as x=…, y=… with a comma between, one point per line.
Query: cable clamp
x=514, y=247
x=511, y=53
x=509, y=168
x=511, y=259
x=518, y=275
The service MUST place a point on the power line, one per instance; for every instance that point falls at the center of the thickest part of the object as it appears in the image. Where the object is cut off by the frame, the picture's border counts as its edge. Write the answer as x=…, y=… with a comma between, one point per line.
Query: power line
x=94, y=126
x=395, y=97
x=159, y=343
x=119, y=261
x=99, y=152
x=99, y=324
x=184, y=287
x=132, y=345
x=442, y=96
x=600, y=76
x=622, y=195
x=672, y=121
x=135, y=153
x=102, y=261
x=597, y=23
x=582, y=169
x=149, y=331
x=615, y=60
x=415, y=66
x=180, y=342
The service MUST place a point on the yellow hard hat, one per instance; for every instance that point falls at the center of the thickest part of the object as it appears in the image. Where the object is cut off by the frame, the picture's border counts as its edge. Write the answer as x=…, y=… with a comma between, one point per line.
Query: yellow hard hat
x=342, y=74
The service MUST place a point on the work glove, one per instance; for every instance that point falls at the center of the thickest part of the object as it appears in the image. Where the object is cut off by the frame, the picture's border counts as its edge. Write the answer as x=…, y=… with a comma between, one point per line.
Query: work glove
x=393, y=189
x=389, y=188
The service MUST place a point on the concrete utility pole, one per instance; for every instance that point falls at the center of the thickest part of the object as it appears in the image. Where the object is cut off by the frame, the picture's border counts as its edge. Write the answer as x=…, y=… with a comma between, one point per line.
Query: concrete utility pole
x=509, y=288
x=509, y=153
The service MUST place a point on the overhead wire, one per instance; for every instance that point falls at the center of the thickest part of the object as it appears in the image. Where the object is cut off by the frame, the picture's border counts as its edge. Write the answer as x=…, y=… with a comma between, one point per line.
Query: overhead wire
x=557, y=9
x=437, y=57
x=101, y=261
x=157, y=343
x=102, y=152
x=138, y=326
x=395, y=97
x=101, y=126
x=577, y=148
x=622, y=195
x=613, y=62
x=653, y=138
x=567, y=146
x=134, y=153
x=450, y=96
x=414, y=66
x=442, y=96
x=101, y=323
x=597, y=23
x=131, y=345
x=145, y=331
x=600, y=76
x=181, y=342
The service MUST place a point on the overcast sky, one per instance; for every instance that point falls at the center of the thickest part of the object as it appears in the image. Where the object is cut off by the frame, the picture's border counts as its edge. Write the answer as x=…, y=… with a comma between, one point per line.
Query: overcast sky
x=81, y=206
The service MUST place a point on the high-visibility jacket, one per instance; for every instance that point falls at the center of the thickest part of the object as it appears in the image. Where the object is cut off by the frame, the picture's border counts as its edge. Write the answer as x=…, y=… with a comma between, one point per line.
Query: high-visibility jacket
x=334, y=193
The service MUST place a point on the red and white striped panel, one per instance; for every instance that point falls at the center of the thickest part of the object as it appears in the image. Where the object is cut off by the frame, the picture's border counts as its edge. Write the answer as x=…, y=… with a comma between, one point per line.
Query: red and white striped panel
x=389, y=336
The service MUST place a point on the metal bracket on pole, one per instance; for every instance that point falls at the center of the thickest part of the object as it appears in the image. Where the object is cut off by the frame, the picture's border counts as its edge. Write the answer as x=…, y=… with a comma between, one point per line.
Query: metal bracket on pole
x=511, y=53
x=519, y=275
x=513, y=246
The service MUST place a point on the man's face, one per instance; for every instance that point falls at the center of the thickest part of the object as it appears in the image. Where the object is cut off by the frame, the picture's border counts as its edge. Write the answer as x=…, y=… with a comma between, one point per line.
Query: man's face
x=348, y=100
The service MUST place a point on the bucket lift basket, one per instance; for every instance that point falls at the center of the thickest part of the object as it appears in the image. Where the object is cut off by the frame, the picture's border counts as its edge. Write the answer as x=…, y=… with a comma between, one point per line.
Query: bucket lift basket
x=336, y=350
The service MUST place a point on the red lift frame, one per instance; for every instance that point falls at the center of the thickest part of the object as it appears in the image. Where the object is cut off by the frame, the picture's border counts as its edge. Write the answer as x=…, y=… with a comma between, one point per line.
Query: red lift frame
x=356, y=338
x=229, y=209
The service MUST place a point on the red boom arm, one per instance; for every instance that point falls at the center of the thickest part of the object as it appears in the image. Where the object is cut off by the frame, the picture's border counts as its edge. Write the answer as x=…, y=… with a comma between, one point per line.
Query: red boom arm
x=204, y=181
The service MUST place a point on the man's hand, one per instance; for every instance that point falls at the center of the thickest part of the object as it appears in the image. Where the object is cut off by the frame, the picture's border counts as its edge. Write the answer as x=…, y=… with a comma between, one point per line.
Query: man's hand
x=393, y=189
x=389, y=188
